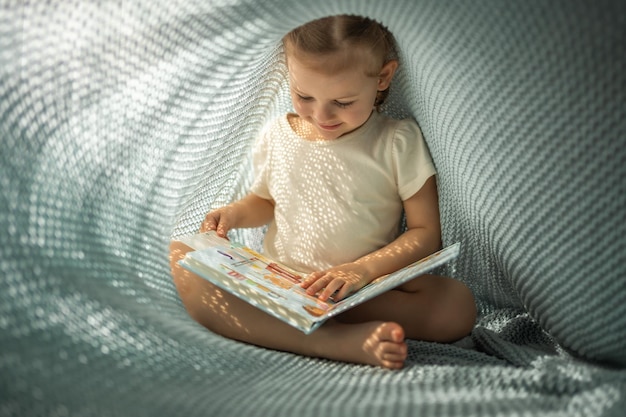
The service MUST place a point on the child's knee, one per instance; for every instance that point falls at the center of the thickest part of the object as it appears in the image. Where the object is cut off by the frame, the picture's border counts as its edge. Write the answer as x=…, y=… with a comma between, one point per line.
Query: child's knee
x=456, y=316
x=177, y=251
x=462, y=310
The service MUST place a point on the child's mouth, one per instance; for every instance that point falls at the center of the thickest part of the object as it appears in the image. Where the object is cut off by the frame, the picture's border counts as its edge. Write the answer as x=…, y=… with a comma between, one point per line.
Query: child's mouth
x=329, y=127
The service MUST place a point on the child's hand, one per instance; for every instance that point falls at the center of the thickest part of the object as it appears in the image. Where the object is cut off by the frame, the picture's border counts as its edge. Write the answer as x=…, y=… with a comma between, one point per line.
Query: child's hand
x=343, y=279
x=220, y=220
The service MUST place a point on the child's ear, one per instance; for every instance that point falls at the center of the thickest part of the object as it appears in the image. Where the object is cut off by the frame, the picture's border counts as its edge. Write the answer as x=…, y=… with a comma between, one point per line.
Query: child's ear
x=386, y=74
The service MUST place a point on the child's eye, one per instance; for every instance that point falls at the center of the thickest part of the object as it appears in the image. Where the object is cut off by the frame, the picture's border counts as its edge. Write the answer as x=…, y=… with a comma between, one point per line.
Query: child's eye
x=304, y=98
x=343, y=105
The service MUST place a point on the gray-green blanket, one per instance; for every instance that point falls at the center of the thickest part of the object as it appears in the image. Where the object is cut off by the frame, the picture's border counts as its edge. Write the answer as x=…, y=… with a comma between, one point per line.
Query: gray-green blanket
x=123, y=122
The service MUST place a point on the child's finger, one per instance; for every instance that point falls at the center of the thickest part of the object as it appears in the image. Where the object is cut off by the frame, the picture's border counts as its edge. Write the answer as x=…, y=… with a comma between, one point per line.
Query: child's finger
x=208, y=224
x=311, y=279
x=344, y=291
x=333, y=286
x=222, y=227
x=320, y=281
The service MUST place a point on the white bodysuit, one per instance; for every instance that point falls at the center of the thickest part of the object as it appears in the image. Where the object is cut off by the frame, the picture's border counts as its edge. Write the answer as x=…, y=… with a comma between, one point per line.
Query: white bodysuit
x=337, y=200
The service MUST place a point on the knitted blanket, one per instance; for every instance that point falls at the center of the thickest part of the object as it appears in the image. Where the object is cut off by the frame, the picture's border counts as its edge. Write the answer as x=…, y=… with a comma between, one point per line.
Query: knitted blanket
x=123, y=122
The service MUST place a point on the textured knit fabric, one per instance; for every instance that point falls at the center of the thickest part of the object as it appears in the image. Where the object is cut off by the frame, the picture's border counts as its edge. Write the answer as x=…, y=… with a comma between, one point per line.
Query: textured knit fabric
x=122, y=123
x=337, y=200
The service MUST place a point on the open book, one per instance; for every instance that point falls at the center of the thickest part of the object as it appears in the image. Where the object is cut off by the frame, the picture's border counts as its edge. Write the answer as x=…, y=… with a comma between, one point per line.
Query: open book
x=275, y=288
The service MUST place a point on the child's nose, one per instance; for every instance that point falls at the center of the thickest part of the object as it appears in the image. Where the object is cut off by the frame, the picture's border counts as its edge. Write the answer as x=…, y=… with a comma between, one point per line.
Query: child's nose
x=324, y=113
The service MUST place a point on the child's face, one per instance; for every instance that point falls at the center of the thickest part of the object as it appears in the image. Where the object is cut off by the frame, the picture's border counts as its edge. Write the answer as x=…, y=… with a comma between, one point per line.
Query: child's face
x=331, y=104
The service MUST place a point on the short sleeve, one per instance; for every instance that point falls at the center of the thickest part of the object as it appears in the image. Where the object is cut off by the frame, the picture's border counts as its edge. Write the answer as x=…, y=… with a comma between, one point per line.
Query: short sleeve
x=411, y=157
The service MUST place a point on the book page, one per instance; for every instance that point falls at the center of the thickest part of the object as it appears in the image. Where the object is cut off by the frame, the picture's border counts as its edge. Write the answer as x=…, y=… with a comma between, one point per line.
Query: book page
x=257, y=272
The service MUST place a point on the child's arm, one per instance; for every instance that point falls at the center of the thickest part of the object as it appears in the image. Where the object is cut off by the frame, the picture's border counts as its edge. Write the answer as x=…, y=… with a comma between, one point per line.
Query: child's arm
x=250, y=211
x=422, y=237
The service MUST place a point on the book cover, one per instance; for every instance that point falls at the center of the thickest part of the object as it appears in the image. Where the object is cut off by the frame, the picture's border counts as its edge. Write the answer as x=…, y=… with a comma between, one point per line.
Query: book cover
x=275, y=288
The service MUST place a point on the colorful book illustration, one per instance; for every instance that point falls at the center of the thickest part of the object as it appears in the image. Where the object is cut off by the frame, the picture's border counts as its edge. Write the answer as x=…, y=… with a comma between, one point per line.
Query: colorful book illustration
x=275, y=288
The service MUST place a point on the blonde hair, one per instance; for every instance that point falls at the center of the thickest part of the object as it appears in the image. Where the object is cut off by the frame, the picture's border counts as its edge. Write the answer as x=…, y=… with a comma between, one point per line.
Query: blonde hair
x=348, y=39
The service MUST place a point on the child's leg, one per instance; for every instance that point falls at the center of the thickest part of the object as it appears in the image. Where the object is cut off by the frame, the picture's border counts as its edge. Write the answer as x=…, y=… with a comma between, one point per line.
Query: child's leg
x=373, y=342
x=430, y=307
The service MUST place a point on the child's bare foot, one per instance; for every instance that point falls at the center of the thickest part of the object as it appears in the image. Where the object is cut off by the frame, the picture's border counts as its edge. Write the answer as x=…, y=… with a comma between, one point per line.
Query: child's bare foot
x=386, y=346
x=371, y=343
